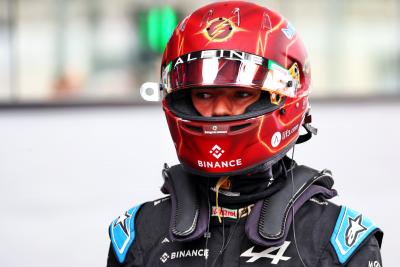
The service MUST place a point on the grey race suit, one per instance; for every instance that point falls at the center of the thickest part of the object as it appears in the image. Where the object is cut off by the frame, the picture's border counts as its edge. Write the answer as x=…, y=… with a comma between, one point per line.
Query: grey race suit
x=325, y=235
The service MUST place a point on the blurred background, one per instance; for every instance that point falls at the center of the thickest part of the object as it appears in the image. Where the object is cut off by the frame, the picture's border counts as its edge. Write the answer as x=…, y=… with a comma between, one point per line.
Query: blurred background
x=78, y=146
x=91, y=51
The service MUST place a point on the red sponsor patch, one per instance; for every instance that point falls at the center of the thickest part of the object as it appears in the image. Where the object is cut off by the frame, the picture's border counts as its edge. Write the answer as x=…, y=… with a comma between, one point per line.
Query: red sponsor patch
x=224, y=212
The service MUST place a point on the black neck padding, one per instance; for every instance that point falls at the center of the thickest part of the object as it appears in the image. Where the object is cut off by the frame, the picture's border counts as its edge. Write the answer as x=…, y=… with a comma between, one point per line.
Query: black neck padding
x=270, y=219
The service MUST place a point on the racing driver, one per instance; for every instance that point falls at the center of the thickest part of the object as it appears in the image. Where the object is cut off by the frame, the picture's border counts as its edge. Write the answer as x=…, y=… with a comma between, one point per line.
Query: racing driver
x=235, y=80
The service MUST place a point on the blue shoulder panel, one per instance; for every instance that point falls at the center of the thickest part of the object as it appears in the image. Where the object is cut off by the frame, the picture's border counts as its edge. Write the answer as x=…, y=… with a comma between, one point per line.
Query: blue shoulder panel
x=351, y=229
x=122, y=232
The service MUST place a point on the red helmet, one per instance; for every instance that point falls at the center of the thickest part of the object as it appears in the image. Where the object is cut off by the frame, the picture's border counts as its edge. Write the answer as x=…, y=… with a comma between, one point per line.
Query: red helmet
x=235, y=44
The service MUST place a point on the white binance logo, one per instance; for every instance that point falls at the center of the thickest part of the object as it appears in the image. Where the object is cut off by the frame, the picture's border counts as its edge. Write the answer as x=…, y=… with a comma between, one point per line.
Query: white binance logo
x=164, y=257
x=216, y=151
x=267, y=253
x=184, y=254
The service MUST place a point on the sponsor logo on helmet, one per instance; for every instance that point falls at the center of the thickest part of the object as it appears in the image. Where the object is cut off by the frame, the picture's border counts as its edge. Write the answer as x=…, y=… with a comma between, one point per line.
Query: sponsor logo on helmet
x=217, y=152
x=288, y=133
x=277, y=137
x=225, y=54
x=219, y=30
x=215, y=129
x=289, y=31
x=219, y=164
x=295, y=72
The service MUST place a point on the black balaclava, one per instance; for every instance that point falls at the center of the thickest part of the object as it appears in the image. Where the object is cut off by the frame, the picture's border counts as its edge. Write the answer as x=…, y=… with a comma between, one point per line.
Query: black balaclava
x=249, y=188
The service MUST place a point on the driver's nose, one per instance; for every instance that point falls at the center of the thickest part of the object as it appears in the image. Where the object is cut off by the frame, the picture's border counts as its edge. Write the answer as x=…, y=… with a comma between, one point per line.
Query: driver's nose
x=222, y=107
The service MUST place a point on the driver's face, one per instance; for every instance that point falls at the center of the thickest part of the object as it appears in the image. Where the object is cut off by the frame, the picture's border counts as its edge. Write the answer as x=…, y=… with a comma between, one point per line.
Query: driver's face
x=215, y=102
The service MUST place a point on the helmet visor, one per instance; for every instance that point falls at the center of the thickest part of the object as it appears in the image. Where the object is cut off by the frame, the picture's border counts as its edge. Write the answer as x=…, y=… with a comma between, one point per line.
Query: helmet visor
x=228, y=68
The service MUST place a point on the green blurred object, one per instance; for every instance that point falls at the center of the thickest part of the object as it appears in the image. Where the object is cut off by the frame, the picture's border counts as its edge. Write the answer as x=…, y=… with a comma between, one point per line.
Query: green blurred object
x=156, y=26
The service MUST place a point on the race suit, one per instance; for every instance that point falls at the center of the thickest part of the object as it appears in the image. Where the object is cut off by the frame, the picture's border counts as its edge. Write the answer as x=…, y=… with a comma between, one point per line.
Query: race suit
x=320, y=233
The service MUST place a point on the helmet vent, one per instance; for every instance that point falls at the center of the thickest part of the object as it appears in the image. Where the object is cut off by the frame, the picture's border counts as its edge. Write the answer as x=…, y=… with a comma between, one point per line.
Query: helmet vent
x=193, y=128
x=239, y=127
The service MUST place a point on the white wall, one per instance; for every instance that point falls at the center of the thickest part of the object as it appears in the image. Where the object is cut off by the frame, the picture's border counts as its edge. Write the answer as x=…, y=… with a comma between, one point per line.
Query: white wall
x=66, y=173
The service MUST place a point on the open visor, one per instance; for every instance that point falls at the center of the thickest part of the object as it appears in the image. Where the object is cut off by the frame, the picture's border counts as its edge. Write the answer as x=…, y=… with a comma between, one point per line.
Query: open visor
x=225, y=68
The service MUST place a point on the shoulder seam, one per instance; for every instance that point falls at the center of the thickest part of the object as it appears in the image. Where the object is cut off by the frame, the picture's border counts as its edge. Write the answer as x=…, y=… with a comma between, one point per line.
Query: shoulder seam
x=327, y=242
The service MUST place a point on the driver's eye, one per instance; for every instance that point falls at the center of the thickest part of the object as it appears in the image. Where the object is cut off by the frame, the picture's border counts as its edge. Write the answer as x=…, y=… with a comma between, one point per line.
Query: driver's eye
x=243, y=94
x=203, y=95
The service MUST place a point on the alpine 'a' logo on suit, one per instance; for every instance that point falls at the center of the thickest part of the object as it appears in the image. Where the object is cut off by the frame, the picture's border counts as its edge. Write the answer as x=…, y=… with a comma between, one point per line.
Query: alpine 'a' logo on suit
x=267, y=253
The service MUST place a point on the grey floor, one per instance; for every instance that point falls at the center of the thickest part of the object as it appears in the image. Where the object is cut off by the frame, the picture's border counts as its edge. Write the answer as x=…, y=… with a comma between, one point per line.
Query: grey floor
x=66, y=173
